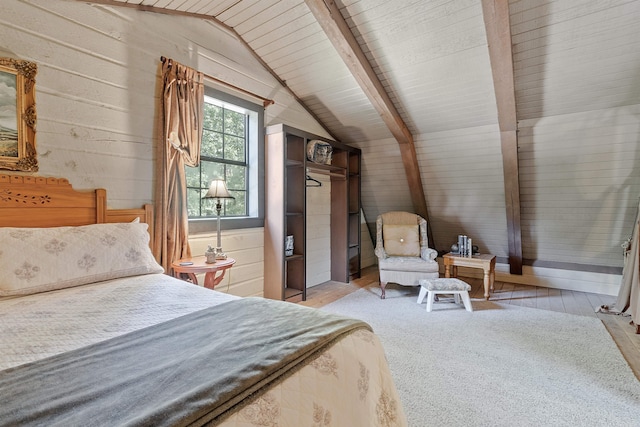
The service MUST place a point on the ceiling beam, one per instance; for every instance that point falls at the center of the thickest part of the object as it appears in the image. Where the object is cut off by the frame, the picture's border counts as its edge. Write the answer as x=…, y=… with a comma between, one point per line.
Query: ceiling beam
x=498, y=29
x=337, y=30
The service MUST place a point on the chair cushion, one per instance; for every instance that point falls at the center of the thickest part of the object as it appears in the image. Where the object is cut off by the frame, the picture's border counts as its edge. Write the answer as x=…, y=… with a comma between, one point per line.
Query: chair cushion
x=401, y=240
x=445, y=284
x=413, y=264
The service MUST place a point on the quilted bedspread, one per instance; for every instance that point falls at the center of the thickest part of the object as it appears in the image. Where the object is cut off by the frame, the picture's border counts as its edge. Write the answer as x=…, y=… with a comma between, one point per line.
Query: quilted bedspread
x=349, y=383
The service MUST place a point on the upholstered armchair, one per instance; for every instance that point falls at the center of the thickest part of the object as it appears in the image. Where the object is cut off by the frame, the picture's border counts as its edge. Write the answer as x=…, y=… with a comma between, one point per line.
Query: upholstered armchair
x=404, y=256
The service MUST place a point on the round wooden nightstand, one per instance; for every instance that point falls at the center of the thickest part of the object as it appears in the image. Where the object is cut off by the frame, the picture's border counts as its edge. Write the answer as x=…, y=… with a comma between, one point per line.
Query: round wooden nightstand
x=214, y=273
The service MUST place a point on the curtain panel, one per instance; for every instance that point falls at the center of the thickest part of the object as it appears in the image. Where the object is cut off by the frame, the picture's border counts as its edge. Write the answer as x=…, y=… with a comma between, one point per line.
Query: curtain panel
x=629, y=294
x=181, y=135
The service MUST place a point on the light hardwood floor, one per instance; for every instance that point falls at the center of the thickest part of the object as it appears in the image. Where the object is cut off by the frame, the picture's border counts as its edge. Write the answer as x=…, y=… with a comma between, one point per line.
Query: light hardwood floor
x=573, y=302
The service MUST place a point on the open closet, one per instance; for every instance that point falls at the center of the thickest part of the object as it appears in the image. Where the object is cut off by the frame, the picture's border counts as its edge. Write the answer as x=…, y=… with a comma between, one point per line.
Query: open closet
x=287, y=167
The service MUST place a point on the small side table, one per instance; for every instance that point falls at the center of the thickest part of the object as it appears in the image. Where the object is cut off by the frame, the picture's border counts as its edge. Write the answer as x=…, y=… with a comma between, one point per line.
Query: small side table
x=198, y=265
x=486, y=262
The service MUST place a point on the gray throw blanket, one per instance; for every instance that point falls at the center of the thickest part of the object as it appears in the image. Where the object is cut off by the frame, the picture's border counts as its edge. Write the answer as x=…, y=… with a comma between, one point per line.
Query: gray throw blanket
x=192, y=370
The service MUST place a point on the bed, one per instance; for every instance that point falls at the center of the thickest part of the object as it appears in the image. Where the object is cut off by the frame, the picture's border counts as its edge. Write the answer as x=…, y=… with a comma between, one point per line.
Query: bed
x=93, y=332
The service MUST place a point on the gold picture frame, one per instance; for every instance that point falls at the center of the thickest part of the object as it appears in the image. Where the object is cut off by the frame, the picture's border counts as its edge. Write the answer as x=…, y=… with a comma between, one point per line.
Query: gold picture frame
x=18, y=115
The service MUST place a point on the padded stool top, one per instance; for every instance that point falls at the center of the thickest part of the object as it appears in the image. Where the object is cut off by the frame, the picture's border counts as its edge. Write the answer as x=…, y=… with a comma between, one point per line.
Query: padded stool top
x=445, y=285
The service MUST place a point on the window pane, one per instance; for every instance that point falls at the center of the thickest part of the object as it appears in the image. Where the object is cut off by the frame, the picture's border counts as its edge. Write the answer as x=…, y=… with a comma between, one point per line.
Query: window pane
x=211, y=171
x=193, y=176
x=209, y=208
x=234, y=123
x=211, y=145
x=238, y=206
x=212, y=117
x=193, y=202
x=234, y=148
x=236, y=177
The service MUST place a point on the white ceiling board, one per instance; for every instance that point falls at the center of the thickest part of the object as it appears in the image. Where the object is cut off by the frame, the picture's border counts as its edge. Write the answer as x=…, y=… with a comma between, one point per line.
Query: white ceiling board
x=571, y=57
x=254, y=26
x=430, y=57
x=169, y=4
x=199, y=6
x=295, y=47
x=239, y=11
x=426, y=47
x=314, y=47
x=214, y=8
x=299, y=22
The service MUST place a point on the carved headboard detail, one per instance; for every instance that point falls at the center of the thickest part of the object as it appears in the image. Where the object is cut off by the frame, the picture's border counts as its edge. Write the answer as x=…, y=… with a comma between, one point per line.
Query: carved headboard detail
x=35, y=201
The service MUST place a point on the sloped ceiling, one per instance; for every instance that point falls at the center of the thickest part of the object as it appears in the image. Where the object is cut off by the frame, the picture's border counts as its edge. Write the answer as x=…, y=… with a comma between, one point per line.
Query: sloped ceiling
x=430, y=56
x=573, y=64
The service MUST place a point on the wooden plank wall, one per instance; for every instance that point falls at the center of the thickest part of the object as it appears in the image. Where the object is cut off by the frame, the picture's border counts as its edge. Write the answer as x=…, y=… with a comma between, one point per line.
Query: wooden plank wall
x=97, y=89
x=318, y=249
x=578, y=142
x=98, y=81
x=464, y=184
x=578, y=109
x=575, y=205
x=384, y=181
x=367, y=254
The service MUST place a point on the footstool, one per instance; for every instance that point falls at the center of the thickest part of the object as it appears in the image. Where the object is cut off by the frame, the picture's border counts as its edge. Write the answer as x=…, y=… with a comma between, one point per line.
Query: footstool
x=431, y=287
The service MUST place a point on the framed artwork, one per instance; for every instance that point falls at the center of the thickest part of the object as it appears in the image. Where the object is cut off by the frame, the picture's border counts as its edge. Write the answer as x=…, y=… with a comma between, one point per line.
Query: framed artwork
x=18, y=115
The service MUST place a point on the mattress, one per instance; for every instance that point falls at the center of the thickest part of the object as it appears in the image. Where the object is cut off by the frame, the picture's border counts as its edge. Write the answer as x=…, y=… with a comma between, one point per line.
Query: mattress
x=347, y=384
x=48, y=323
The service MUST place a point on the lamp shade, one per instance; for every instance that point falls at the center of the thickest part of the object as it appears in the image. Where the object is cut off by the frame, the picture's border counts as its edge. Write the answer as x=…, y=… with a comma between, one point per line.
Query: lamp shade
x=218, y=190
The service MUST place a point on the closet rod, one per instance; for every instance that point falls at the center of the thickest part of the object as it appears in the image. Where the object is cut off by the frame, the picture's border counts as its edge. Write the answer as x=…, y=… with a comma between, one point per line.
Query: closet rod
x=265, y=101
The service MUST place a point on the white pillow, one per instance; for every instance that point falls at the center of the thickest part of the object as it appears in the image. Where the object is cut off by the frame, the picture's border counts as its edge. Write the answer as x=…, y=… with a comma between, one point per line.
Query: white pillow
x=36, y=260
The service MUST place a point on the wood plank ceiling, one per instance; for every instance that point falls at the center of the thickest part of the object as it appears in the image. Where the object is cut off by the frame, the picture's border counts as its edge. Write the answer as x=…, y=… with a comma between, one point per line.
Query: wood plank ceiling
x=310, y=48
x=374, y=70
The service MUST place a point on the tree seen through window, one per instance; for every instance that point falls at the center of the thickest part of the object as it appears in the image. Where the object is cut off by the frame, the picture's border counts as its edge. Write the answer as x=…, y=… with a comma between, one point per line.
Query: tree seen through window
x=223, y=155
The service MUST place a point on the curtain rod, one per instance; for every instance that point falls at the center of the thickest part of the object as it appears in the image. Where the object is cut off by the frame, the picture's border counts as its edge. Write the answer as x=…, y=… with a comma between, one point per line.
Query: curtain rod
x=265, y=101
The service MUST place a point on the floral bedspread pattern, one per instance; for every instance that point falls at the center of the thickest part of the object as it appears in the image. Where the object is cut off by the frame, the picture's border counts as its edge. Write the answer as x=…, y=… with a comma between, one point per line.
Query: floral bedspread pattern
x=331, y=391
x=40, y=325
x=348, y=384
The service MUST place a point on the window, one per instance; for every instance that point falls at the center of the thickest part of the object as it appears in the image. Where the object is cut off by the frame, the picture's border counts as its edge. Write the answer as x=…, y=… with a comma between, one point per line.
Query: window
x=232, y=149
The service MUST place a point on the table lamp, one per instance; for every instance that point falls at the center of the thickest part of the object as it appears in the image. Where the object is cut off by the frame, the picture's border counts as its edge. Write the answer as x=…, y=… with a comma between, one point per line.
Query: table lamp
x=218, y=190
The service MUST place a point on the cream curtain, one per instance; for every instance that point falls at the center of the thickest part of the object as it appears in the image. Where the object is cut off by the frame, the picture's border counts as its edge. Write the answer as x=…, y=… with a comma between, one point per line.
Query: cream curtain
x=629, y=294
x=181, y=120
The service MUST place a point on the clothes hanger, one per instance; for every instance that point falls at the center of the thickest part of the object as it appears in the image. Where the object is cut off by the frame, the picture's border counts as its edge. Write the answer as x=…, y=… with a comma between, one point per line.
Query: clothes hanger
x=317, y=183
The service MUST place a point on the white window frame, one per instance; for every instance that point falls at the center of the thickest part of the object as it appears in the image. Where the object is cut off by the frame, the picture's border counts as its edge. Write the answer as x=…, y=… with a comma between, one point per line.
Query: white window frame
x=255, y=162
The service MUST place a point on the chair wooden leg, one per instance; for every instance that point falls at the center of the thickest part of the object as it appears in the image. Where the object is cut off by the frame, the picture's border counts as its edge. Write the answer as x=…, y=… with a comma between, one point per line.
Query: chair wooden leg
x=382, y=286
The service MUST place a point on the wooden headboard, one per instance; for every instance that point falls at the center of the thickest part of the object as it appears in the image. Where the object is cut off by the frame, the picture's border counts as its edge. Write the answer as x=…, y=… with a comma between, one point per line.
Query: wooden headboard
x=35, y=201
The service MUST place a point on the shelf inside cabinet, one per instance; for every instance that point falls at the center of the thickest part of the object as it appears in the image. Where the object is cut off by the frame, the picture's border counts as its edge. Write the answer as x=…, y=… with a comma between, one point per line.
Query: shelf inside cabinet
x=332, y=171
x=291, y=293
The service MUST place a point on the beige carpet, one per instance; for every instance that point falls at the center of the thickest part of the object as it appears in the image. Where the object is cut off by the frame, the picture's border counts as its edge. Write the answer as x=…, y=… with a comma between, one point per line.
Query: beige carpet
x=501, y=365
